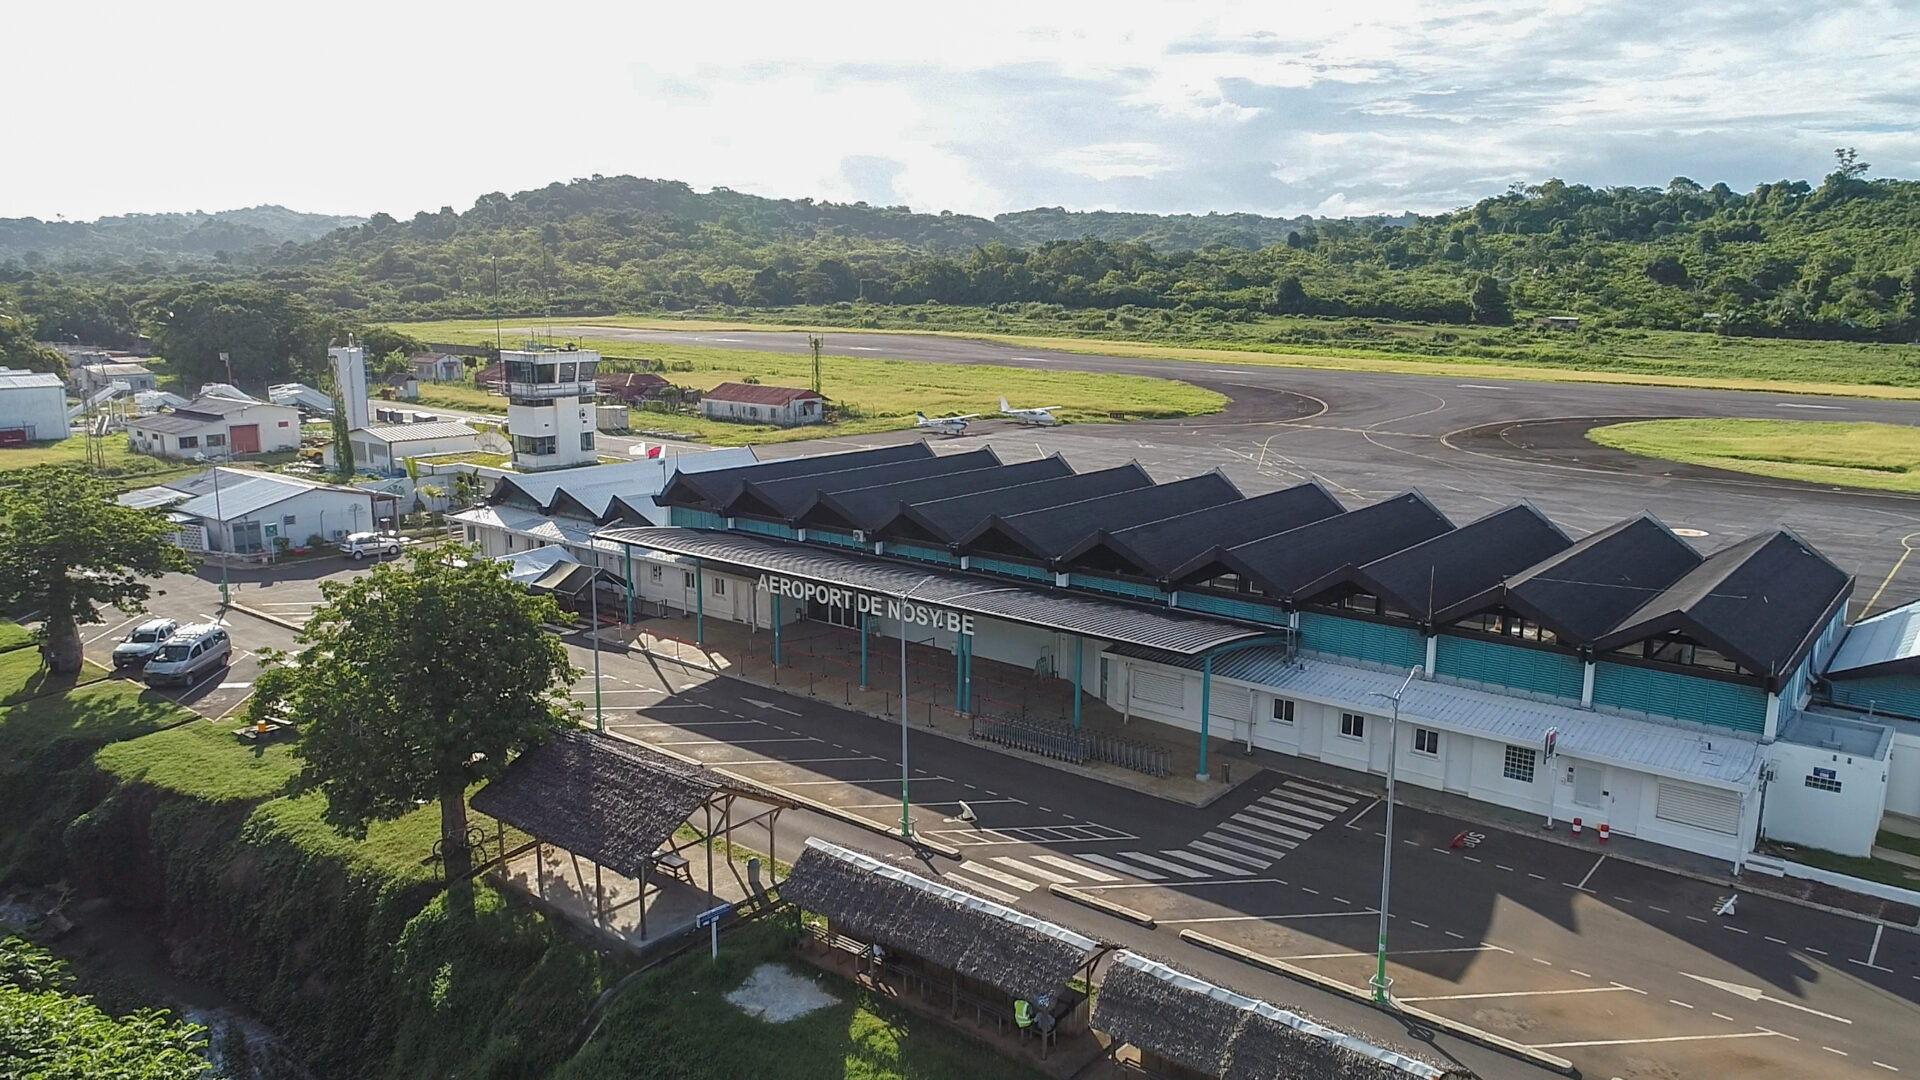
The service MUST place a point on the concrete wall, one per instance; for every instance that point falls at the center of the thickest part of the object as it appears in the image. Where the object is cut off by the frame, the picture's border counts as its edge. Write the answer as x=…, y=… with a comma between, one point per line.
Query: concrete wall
x=1903, y=772
x=1845, y=820
x=392, y=457
x=41, y=409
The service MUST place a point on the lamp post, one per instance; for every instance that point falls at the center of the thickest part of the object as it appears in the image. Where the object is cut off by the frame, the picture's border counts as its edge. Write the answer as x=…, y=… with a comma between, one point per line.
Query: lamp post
x=906, y=820
x=599, y=718
x=1380, y=982
x=220, y=521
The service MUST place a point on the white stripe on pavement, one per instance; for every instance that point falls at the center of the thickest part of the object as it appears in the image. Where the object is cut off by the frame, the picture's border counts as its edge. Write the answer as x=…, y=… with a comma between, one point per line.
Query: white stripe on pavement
x=984, y=890
x=1319, y=792
x=1274, y=802
x=1125, y=868
x=1031, y=870
x=1197, y=860
x=1236, y=856
x=1003, y=878
x=1255, y=834
x=1255, y=821
x=1300, y=796
x=1269, y=812
x=1259, y=849
x=1183, y=871
x=1075, y=868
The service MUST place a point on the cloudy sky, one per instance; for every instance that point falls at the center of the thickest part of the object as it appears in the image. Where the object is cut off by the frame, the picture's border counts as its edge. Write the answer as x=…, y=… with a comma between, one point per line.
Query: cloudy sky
x=1159, y=105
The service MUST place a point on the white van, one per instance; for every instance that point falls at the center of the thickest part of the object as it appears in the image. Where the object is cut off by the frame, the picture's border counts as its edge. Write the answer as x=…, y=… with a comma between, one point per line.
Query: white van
x=191, y=653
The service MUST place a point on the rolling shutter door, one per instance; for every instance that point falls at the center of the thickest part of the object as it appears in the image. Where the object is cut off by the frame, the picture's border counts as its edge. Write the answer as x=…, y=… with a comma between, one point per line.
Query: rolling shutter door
x=1702, y=808
x=1231, y=702
x=1156, y=689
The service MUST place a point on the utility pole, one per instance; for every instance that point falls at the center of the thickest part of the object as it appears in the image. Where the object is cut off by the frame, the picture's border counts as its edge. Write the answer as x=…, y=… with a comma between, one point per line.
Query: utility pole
x=814, y=343
x=1380, y=981
x=599, y=718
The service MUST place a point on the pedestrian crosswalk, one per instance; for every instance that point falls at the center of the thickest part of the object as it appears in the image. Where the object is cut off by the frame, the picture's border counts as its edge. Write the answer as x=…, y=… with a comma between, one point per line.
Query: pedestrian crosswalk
x=1246, y=843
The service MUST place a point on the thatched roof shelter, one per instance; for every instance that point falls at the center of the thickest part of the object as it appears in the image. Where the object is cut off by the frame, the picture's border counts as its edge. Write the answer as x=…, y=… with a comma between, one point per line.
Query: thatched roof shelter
x=1195, y=1024
x=609, y=801
x=881, y=904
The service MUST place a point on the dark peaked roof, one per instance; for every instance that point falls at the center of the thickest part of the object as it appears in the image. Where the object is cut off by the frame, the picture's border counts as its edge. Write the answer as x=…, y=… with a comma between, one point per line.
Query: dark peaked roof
x=1050, y=532
x=1019, y=955
x=719, y=487
x=607, y=800
x=1157, y=547
x=950, y=519
x=1217, y=1032
x=786, y=497
x=1304, y=561
x=1587, y=590
x=754, y=394
x=869, y=508
x=1761, y=602
x=1433, y=575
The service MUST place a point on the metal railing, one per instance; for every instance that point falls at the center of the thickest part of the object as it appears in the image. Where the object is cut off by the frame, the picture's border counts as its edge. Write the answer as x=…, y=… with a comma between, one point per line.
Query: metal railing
x=1062, y=743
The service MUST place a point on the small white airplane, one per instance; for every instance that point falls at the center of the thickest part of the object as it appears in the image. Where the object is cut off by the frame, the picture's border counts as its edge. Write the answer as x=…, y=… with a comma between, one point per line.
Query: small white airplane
x=1043, y=416
x=945, y=425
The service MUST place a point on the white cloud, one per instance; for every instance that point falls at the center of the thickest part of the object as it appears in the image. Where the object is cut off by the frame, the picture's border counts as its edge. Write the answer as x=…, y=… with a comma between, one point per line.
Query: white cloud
x=1167, y=105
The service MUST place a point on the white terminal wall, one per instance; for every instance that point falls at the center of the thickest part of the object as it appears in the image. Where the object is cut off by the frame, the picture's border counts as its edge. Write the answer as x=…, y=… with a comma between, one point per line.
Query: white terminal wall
x=1843, y=821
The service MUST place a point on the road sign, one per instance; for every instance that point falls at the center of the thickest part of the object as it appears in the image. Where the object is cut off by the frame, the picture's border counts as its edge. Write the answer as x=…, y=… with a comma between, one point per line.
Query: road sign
x=1551, y=742
x=713, y=915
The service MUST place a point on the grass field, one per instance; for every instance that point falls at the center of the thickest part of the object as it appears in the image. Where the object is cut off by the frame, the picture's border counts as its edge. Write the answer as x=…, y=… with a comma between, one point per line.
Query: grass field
x=121, y=463
x=1644, y=357
x=1884, y=457
x=873, y=394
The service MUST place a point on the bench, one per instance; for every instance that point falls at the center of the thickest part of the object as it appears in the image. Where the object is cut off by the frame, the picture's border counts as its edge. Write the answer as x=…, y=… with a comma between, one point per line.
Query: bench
x=675, y=865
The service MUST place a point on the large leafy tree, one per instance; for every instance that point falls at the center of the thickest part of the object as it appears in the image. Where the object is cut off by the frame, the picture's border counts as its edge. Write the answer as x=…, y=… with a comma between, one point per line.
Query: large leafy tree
x=66, y=548
x=270, y=334
x=415, y=681
x=48, y=1032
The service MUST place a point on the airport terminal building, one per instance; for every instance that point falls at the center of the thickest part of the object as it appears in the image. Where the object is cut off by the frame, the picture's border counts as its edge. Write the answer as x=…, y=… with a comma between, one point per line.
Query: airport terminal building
x=1686, y=695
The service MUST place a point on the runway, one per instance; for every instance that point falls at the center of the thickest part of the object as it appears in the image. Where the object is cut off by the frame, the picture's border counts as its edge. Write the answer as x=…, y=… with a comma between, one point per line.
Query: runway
x=1472, y=444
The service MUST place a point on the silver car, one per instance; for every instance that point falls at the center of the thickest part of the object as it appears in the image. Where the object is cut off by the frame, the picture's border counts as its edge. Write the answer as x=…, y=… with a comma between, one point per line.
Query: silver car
x=138, y=647
x=190, y=654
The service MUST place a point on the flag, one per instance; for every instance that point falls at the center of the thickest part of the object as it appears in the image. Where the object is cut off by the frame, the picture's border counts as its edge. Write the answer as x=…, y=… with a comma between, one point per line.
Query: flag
x=654, y=450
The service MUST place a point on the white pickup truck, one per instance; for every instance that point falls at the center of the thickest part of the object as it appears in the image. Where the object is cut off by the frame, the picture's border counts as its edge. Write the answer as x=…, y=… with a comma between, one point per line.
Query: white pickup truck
x=362, y=544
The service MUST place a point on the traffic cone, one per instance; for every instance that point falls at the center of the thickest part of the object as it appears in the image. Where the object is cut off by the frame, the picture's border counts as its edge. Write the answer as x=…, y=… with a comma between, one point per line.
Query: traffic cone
x=1604, y=832
x=1576, y=826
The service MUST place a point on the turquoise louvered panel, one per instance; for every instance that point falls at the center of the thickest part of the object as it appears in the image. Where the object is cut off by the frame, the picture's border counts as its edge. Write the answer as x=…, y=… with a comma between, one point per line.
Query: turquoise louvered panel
x=1381, y=643
x=1115, y=586
x=763, y=528
x=1010, y=569
x=924, y=554
x=1686, y=697
x=1535, y=670
x=687, y=517
x=838, y=539
x=1245, y=610
x=1896, y=694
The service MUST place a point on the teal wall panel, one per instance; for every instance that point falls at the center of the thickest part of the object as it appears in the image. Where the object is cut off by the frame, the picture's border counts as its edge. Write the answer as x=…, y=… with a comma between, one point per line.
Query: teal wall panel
x=838, y=539
x=1380, y=643
x=1897, y=694
x=924, y=554
x=1687, y=697
x=1010, y=569
x=690, y=518
x=1534, y=670
x=1115, y=586
x=1246, y=610
x=763, y=528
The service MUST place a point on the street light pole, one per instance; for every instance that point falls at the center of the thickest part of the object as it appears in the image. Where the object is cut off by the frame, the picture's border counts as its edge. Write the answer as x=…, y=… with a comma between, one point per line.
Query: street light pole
x=599, y=718
x=906, y=819
x=1380, y=982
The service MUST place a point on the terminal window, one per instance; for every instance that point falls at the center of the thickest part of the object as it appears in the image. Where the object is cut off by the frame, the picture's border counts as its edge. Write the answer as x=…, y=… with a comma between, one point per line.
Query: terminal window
x=1283, y=710
x=1426, y=741
x=1353, y=725
x=1519, y=763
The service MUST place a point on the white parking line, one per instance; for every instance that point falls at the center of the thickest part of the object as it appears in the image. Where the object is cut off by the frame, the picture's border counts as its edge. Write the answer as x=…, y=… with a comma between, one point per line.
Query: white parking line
x=1666, y=1039
x=1276, y=918
x=794, y=761
x=1397, y=952
x=1518, y=993
x=729, y=742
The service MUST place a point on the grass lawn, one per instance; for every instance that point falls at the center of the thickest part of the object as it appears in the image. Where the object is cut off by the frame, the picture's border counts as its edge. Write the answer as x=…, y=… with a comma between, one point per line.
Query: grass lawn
x=1879, y=870
x=874, y=394
x=1598, y=354
x=1881, y=456
x=39, y=709
x=677, y=1022
x=121, y=463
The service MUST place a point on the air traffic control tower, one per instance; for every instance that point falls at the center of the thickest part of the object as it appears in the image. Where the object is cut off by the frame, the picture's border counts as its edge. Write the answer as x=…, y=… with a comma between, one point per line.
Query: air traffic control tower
x=550, y=399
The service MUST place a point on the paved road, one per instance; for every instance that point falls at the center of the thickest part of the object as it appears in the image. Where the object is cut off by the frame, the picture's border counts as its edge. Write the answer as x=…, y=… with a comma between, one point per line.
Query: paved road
x=1472, y=444
x=1623, y=969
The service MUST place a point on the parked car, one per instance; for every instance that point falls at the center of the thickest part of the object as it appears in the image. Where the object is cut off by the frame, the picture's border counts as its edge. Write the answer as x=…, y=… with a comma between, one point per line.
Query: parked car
x=191, y=653
x=138, y=647
x=362, y=544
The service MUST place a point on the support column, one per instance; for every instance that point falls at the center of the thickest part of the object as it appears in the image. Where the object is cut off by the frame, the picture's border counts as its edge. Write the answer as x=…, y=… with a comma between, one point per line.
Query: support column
x=966, y=680
x=1433, y=651
x=959, y=671
x=1079, y=665
x=1206, y=711
x=699, y=606
x=776, y=629
x=1586, y=684
x=863, y=651
x=627, y=553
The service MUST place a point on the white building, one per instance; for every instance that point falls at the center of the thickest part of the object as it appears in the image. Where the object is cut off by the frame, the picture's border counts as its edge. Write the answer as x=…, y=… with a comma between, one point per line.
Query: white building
x=90, y=379
x=350, y=382
x=385, y=448
x=438, y=367
x=33, y=407
x=217, y=428
x=248, y=511
x=781, y=406
x=550, y=407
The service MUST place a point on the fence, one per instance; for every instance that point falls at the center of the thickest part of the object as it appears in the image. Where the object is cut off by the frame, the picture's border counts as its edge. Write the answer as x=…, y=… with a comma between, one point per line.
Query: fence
x=1063, y=743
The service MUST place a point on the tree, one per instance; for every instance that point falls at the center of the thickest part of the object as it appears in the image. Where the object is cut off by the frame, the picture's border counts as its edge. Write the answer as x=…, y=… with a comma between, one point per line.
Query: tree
x=343, y=463
x=1488, y=299
x=1668, y=270
x=414, y=682
x=18, y=349
x=270, y=333
x=66, y=547
x=48, y=1032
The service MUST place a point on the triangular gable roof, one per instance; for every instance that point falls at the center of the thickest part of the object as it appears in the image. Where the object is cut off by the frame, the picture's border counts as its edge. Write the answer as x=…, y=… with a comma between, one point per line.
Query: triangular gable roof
x=718, y=488
x=947, y=520
x=785, y=498
x=870, y=508
x=1589, y=588
x=1050, y=532
x=1304, y=561
x=1762, y=602
x=1432, y=575
x=1155, y=548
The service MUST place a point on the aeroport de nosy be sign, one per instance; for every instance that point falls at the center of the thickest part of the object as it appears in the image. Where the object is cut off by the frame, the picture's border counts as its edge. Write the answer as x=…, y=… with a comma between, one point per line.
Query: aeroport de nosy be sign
x=867, y=603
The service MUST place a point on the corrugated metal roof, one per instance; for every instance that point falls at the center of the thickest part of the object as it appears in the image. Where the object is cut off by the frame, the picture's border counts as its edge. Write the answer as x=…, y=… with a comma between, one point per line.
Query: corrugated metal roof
x=551, y=530
x=149, y=497
x=595, y=485
x=395, y=433
x=1054, y=609
x=749, y=394
x=25, y=380
x=1718, y=757
x=175, y=423
x=1887, y=638
x=243, y=494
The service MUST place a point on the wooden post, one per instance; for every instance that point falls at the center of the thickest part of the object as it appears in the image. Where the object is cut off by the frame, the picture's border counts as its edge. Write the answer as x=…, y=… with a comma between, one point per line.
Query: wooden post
x=708, y=810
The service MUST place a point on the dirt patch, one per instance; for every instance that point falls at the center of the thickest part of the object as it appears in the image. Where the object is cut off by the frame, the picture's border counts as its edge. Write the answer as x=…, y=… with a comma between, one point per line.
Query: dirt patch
x=776, y=993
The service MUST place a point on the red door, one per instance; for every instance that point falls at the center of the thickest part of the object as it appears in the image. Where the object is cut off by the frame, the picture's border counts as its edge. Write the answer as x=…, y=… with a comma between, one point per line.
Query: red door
x=245, y=438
